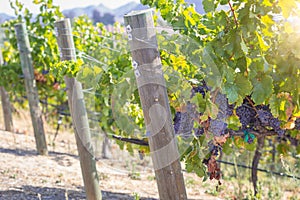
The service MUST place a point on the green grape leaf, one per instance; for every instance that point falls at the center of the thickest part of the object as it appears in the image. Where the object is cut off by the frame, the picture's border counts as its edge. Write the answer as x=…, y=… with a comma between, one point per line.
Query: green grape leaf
x=224, y=2
x=200, y=102
x=262, y=89
x=243, y=84
x=252, y=146
x=208, y=5
x=237, y=91
x=234, y=122
x=274, y=105
x=231, y=92
x=244, y=47
x=227, y=149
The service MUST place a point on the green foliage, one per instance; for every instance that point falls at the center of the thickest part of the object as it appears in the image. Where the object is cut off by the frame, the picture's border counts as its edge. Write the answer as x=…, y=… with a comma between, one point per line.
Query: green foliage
x=242, y=52
x=68, y=68
x=193, y=160
x=44, y=49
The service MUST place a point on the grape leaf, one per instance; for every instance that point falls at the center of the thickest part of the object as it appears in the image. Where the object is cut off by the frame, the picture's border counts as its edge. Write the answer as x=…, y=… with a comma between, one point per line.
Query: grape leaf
x=287, y=6
x=274, y=105
x=227, y=149
x=243, y=84
x=241, y=88
x=208, y=5
x=262, y=90
x=231, y=92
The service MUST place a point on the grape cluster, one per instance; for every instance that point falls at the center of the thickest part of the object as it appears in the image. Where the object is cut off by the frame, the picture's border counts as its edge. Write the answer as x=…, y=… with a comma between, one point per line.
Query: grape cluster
x=183, y=123
x=176, y=122
x=218, y=126
x=267, y=119
x=201, y=88
x=246, y=114
x=253, y=116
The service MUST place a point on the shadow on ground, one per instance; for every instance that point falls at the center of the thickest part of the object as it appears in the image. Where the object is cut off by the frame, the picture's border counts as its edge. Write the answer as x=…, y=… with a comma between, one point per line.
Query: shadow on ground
x=31, y=152
x=47, y=193
x=28, y=192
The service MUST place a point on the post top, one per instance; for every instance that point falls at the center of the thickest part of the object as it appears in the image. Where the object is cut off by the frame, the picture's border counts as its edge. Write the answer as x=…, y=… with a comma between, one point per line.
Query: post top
x=62, y=20
x=138, y=12
x=20, y=24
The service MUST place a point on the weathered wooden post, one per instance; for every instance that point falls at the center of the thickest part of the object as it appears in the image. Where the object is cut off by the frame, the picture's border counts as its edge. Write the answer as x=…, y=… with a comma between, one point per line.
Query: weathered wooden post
x=31, y=88
x=153, y=94
x=6, y=106
x=78, y=113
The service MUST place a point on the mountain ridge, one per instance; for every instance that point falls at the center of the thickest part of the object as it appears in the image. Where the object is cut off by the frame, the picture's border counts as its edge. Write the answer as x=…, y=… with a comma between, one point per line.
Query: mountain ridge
x=101, y=13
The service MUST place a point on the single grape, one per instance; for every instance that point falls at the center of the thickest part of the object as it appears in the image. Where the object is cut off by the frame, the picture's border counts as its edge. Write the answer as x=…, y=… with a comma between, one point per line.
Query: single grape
x=297, y=124
x=201, y=88
x=250, y=140
x=199, y=131
x=215, y=149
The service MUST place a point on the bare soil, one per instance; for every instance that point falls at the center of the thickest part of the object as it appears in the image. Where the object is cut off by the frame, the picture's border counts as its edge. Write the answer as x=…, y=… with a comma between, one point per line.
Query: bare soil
x=24, y=175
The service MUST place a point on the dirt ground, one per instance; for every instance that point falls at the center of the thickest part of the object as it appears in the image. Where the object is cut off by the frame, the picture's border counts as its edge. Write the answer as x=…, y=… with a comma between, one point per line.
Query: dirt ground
x=24, y=175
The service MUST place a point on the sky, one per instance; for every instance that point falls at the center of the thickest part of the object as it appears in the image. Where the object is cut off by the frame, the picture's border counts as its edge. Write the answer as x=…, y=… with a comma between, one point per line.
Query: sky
x=64, y=4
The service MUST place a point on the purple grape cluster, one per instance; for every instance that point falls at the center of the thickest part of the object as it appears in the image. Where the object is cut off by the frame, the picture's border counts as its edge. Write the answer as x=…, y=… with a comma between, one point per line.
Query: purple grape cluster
x=176, y=121
x=267, y=119
x=246, y=114
x=201, y=88
x=264, y=116
x=183, y=123
x=218, y=126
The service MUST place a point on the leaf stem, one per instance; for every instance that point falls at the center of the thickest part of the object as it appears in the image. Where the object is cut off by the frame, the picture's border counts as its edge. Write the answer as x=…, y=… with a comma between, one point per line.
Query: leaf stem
x=233, y=13
x=251, y=103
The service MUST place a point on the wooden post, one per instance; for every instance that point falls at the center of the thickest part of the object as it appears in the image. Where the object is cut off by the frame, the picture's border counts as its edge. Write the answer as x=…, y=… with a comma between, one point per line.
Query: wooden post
x=153, y=94
x=78, y=113
x=31, y=88
x=6, y=106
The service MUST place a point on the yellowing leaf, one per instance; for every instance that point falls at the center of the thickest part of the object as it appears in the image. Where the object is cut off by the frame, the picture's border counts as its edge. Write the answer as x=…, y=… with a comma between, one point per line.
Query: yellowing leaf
x=267, y=3
x=262, y=43
x=287, y=6
x=268, y=22
x=290, y=124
